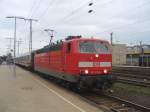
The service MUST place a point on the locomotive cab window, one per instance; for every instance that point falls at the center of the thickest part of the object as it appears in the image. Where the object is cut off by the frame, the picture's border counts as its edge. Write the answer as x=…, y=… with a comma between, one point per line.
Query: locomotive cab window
x=68, y=47
x=94, y=47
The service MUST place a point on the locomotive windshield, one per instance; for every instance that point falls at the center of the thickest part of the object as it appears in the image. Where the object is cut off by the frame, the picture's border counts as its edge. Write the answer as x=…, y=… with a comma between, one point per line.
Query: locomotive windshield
x=94, y=47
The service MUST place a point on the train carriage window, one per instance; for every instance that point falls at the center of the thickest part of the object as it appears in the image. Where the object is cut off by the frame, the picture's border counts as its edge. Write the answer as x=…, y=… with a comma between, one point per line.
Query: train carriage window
x=68, y=47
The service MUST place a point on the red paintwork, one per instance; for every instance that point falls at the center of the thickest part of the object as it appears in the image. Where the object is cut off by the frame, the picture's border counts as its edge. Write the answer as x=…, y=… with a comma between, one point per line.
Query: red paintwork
x=60, y=61
x=49, y=61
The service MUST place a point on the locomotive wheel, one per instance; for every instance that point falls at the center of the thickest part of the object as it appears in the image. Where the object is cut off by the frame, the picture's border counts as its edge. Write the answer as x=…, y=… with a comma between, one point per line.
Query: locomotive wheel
x=106, y=88
x=80, y=87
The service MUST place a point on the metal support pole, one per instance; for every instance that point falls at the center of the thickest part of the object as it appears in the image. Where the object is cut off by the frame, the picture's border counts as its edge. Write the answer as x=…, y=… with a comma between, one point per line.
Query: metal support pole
x=15, y=41
x=131, y=59
x=19, y=42
x=30, y=40
x=111, y=38
x=15, y=18
x=147, y=61
x=18, y=48
x=10, y=42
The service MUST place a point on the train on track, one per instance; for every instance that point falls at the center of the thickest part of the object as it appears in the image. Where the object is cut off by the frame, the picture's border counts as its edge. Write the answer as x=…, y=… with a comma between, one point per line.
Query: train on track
x=81, y=62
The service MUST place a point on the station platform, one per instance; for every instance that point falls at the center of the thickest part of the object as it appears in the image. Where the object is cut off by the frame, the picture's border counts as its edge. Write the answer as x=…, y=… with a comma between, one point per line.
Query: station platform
x=23, y=91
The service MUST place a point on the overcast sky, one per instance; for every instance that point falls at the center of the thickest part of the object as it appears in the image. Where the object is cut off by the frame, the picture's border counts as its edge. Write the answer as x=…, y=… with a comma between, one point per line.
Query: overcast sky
x=129, y=20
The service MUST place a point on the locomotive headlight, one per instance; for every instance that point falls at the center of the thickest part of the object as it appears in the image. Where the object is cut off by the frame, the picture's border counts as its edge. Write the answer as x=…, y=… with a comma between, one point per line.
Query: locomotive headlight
x=105, y=71
x=96, y=55
x=86, y=71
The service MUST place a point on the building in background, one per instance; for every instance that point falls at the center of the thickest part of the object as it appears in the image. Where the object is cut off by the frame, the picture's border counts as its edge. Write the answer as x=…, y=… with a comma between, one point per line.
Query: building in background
x=119, y=52
x=138, y=55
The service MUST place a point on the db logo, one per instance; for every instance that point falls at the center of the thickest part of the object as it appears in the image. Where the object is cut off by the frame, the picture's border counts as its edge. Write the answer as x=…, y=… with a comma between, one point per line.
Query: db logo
x=96, y=64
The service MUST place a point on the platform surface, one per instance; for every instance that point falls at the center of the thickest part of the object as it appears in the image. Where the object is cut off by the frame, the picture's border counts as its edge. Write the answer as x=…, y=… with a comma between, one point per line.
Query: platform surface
x=24, y=91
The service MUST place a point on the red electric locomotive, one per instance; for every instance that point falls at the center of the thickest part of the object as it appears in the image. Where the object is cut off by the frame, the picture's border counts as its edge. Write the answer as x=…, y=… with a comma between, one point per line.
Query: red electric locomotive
x=84, y=62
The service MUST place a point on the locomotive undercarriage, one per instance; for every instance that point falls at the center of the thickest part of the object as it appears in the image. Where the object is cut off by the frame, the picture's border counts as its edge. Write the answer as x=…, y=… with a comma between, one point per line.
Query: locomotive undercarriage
x=102, y=83
x=82, y=82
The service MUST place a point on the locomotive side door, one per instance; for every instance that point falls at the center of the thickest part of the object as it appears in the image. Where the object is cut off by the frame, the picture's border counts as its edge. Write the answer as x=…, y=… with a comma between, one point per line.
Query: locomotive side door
x=65, y=56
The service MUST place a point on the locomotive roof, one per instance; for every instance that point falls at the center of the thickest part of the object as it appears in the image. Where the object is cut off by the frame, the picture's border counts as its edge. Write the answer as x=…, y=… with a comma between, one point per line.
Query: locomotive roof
x=92, y=39
x=79, y=37
x=55, y=46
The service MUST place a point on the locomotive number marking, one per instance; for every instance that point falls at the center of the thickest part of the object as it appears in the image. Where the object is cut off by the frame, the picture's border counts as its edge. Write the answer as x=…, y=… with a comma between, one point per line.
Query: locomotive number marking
x=94, y=64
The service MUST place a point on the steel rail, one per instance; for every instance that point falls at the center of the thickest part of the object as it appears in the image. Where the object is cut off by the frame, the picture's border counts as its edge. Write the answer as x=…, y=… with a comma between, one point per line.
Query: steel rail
x=129, y=103
x=135, y=82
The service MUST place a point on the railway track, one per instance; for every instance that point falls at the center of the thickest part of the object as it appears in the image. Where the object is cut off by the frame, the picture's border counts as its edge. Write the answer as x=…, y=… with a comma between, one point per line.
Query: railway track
x=113, y=104
x=133, y=75
x=134, y=81
x=132, y=70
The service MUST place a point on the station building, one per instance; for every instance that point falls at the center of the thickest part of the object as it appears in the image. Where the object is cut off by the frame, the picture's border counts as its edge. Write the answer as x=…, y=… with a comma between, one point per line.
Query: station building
x=119, y=52
x=138, y=55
